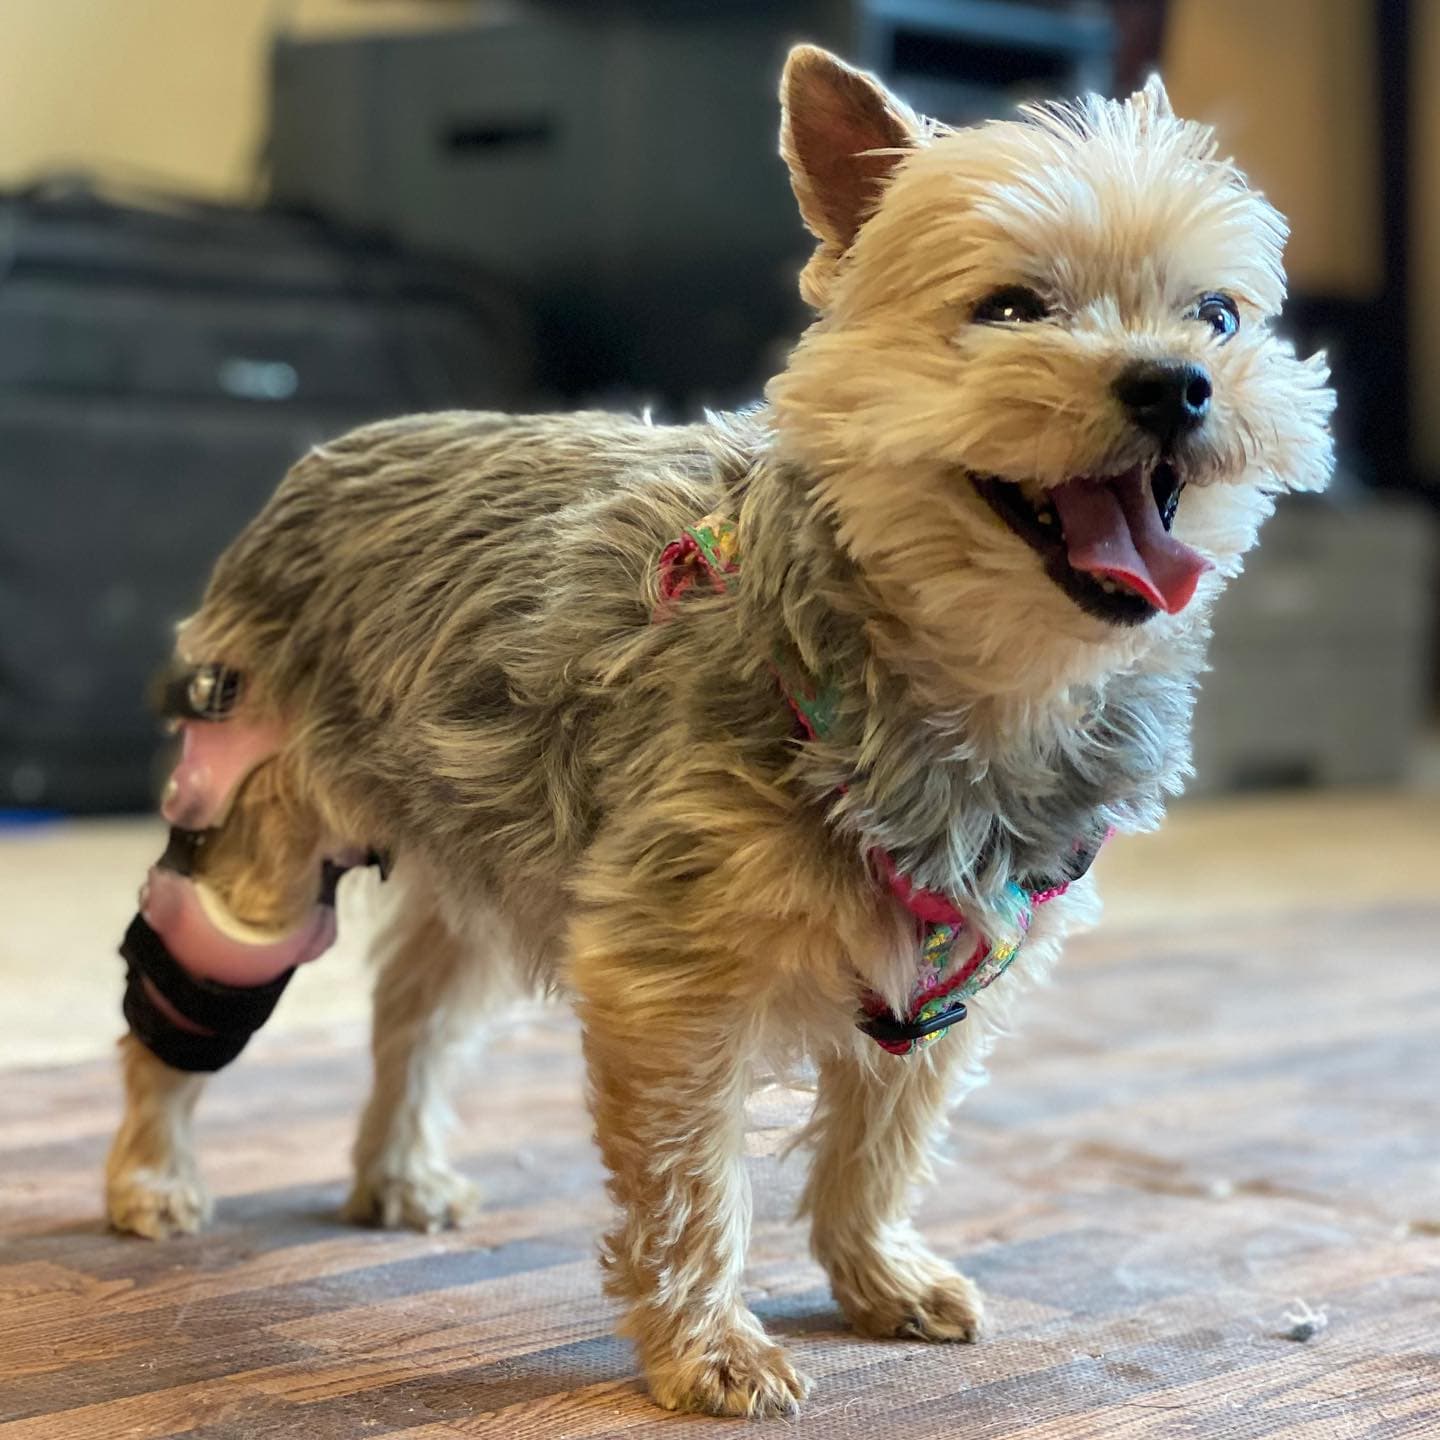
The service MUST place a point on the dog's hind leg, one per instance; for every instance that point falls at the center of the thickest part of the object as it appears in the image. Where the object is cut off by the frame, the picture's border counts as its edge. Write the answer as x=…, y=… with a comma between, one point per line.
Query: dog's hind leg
x=876, y=1120
x=152, y=1184
x=225, y=916
x=431, y=992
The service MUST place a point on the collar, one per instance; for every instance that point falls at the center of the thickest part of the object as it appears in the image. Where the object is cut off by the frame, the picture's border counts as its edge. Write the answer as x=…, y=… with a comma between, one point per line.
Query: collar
x=955, y=959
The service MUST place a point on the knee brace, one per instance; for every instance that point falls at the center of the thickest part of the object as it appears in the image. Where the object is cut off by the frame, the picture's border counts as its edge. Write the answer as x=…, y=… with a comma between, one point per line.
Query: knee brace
x=199, y=982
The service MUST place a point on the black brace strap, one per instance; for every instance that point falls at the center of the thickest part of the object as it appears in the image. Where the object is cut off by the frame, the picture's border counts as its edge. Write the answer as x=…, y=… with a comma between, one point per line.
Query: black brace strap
x=233, y=1012
x=183, y=846
x=330, y=876
x=181, y=849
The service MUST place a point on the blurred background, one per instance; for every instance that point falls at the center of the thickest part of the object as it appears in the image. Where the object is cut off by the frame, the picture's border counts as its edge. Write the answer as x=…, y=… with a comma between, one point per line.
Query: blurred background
x=230, y=228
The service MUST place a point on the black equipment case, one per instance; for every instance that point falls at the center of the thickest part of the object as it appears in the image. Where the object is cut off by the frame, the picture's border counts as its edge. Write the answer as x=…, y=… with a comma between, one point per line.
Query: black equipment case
x=161, y=365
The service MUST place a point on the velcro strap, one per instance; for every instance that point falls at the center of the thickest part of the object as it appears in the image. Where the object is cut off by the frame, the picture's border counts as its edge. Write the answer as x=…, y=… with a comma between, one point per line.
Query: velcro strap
x=229, y=1009
x=177, y=1048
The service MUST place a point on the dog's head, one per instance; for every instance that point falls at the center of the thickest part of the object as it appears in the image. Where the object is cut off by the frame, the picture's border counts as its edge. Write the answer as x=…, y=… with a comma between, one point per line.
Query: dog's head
x=1042, y=399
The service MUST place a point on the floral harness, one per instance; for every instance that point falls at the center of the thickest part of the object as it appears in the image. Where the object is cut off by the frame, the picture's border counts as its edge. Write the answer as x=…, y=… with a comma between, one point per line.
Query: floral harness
x=956, y=961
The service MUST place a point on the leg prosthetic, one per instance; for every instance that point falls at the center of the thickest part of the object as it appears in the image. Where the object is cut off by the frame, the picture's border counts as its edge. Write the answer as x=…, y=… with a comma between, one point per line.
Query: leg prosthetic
x=200, y=981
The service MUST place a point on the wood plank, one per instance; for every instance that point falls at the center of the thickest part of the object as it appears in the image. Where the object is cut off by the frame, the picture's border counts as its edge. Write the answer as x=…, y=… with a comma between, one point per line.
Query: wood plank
x=1210, y=1113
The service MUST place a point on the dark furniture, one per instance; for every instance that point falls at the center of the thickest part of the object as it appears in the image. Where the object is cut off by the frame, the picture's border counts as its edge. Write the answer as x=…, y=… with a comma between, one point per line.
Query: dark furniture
x=161, y=366
x=617, y=161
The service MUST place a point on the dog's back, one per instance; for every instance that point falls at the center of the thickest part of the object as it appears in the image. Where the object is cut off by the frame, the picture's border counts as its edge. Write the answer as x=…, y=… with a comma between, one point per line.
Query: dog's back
x=378, y=541
x=457, y=581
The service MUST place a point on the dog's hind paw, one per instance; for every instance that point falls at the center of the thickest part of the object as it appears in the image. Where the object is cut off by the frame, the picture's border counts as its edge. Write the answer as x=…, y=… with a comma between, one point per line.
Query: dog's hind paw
x=429, y=1199
x=157, y=1204
x=737, y=1374
x=934, y=1303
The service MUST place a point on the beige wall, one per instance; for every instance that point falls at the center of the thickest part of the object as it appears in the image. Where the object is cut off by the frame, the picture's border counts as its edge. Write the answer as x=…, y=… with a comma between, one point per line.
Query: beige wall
x=1290, y=85
x=171, y=90
x=176, y=88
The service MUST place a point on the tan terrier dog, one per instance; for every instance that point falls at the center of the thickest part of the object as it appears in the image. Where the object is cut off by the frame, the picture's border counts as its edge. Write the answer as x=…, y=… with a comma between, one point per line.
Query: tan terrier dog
x=766, y=739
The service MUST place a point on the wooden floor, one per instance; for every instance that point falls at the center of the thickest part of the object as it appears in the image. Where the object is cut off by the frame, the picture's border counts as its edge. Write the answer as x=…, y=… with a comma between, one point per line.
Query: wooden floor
x=1227, y=1102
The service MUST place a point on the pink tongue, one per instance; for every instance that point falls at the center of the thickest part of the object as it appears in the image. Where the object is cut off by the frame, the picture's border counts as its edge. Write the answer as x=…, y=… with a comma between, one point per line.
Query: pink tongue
x=1113, y=530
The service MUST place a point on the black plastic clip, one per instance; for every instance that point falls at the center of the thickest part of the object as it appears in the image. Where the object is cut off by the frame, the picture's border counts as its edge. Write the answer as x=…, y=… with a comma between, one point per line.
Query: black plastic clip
x=890, y=1029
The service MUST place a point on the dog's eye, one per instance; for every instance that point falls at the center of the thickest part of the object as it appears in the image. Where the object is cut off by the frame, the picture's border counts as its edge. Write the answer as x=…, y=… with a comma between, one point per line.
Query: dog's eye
x=1008, y=305
x=1220, y=313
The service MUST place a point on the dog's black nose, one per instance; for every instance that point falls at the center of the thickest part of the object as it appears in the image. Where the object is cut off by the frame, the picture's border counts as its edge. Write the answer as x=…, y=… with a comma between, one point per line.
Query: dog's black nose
x=1165, y=397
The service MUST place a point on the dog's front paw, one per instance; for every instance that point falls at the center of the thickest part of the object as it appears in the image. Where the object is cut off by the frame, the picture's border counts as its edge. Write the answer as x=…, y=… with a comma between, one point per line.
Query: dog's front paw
x=157, y=1204
x=428, y=1198
x=915, y=1298
x=733, y=1373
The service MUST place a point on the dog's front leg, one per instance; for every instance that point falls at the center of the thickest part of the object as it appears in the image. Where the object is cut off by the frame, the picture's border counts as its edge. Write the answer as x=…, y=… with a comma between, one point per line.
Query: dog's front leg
x=152, y=1184
x=668, y=1075
x=876, y=1119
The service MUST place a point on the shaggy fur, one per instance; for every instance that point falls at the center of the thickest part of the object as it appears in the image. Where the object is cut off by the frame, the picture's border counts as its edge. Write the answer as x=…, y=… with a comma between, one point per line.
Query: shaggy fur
x=454, y=616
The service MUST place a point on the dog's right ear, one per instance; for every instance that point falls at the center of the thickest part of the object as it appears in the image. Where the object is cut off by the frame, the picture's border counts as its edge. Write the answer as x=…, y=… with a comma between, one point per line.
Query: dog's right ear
x=842, y=135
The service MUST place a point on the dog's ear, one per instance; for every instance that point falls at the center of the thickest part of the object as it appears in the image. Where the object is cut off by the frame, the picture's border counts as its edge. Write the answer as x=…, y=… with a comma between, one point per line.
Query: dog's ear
x=842, y=134
x=1154, y=115
x=1151, y=103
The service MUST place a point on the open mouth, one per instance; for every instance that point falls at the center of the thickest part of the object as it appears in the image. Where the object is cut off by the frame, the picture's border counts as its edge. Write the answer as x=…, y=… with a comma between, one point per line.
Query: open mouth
x=1105, y=539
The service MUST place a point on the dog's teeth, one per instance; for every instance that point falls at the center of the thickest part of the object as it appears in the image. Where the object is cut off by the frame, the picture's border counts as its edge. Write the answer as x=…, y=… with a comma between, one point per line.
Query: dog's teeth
x=1045, y=517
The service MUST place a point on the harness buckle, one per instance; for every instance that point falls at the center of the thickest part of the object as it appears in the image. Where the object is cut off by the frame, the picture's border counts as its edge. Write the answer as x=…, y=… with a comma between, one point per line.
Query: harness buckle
x=889, y=1029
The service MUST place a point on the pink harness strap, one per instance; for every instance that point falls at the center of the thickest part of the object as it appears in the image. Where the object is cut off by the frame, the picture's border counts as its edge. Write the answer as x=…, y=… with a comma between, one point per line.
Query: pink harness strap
x=955, y=960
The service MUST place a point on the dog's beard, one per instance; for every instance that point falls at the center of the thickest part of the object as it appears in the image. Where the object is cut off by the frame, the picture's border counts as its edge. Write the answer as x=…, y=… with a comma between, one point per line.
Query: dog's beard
x=1105, y=539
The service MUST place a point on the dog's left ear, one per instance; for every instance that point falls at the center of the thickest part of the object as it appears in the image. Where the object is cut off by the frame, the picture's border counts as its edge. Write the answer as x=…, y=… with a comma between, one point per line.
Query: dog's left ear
x=1150, y=103
x=1154, y=116
x=842, y=133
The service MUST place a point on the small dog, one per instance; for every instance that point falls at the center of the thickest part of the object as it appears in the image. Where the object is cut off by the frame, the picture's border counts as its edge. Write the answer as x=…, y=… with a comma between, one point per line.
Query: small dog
x=778, y=736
